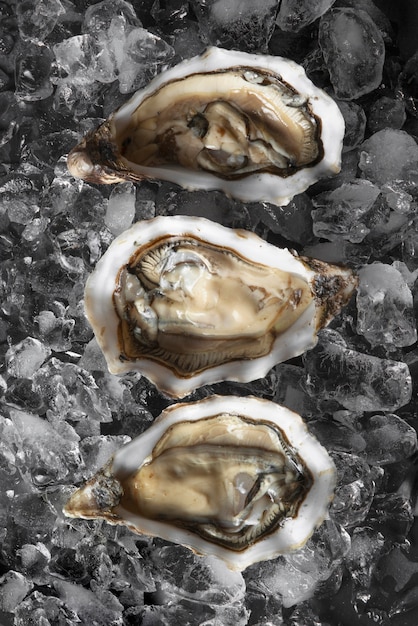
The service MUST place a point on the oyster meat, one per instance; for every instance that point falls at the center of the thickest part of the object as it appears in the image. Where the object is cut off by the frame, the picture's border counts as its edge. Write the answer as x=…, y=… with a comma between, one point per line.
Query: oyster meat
x=238, y=478
x=252, y=126
x=188, y=302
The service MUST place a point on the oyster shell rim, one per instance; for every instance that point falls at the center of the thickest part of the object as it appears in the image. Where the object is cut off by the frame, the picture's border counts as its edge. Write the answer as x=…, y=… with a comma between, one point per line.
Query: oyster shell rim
x=289, y=537
x=323, y=107
x=101, y=313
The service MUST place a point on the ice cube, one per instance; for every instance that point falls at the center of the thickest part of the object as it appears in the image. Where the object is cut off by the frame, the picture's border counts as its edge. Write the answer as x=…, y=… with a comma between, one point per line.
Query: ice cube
x=293, y=221
x=355, y=490
x=385, y=306
x=239, y=24
x=120, y=210
x=98, y=17
x=386, y=113
x=296, y=576
x=398, y=566
x=37, y=18
x=25, y=358
x=297, y=14
x=358, y=381
x=96, y=451
x=48, y=454
x=33, y=560
x=389, y=155
x=204, y=580
x=389, y=439
x=13, y=588
x=90, y=608
x=76, y=57
x=355, y=124
x=353, y=50
x=33, y=70
x=345, y=212
x=44, y=610
x=143, y=53
x=366, y=548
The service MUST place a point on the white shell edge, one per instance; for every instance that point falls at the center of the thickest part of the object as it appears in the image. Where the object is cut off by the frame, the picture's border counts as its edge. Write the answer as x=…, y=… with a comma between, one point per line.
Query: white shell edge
x=100, y=311
x=258, y=187
x=293, y=533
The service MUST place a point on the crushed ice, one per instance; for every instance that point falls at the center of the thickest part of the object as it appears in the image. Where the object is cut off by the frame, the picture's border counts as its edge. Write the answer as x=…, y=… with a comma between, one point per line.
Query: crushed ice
x=64, y=66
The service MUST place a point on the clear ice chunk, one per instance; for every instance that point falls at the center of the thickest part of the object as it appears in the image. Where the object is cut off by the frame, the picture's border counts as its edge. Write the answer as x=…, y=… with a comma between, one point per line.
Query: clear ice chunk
x=293, y=221
x=336, y=436
x=344, y=213
x=93, y=359
x=55, y=328
x=33, y=517
x=386, y=113
x=143, y=53
x=25, y=358
x=358, y=381
x=238, y=24
x=290, y=391
x=389, y=155
x=397, y=566
x=397, y=197
x=120, y=210
x=410, y=249
x=96, y=451
x=146, y=49
x=71, y=392
x=205, y=580
x=186, y=40
x=33, y=560
x=405, y=602
x=48, y=455
x=355, y=124
x=392, y=515
x=296, y=576
x=117, y=47
x=44, y=610
x=101, y=607
x=302, y=614
x=33, y=71
x=353, y=50
x=297, y=14
x=19, y=211
x=75, y=96
x=180, y=611
x=385, y=306
x=14, y=587
x=76, y=55
x=365, y=550
x=98, y=17
x=168, y=14
x=389, y=439
x=355, y=490
x=37, y=18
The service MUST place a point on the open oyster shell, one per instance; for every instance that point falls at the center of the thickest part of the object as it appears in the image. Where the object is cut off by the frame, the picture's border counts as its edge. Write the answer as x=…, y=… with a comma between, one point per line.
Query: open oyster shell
x=188, y=302
x=241, y=479
x=252, y=126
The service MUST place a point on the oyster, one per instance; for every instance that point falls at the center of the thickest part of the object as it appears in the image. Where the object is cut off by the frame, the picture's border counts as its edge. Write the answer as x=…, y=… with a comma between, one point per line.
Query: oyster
x=252, y=126
x=188, y=302
x=238, y=478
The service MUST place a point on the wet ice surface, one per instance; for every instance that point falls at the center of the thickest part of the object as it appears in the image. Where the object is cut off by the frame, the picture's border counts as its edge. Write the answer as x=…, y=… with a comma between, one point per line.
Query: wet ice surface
x=64, y=66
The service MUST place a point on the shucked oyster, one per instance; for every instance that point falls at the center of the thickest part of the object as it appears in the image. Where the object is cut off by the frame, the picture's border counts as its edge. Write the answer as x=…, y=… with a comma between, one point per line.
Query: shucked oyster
x=188, y=302
x=237, y=478
x=252, y=126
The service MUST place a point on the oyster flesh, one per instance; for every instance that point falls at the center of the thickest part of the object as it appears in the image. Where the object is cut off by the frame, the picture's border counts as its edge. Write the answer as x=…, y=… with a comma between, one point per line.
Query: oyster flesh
x=241, y=479
x=252, y=126
x=188, y=302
